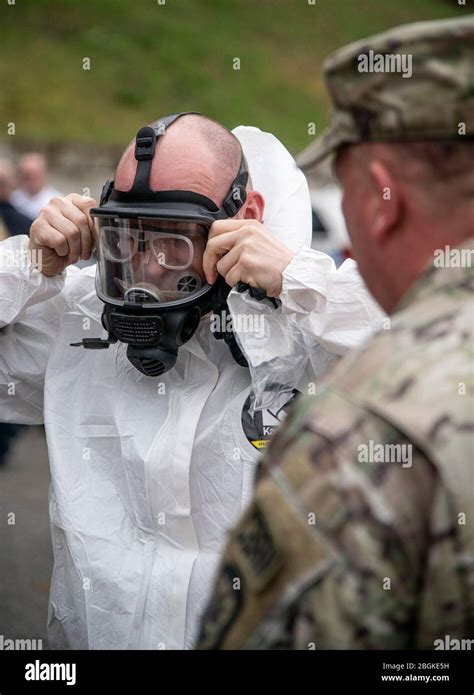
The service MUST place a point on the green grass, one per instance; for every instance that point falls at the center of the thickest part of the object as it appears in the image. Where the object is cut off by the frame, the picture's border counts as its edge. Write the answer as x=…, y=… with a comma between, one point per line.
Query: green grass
x=149, y=59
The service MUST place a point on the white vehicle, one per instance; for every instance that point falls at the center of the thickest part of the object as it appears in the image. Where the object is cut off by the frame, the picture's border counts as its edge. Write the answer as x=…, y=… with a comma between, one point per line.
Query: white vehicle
x=329, y=227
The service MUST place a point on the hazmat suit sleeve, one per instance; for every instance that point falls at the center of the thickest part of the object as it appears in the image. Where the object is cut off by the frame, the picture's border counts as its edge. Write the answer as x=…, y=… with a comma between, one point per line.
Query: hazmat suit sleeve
x=30, y=312
x=324, y=311
x=331, y=304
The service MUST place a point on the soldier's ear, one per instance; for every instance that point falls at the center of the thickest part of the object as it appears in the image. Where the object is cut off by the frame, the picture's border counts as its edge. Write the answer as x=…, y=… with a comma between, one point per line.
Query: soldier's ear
x=387, y=206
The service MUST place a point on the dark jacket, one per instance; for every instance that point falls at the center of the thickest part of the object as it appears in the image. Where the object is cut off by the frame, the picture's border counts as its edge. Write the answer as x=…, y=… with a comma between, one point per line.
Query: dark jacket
x=14, y=221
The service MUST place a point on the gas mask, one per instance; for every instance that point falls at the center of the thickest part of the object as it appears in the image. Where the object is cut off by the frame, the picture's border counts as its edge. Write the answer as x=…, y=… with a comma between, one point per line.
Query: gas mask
x=149, y=248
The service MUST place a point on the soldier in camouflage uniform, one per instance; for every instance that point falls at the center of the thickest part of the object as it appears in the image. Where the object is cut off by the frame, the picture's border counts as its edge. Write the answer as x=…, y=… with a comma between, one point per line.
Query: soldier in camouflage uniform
x=361, y=530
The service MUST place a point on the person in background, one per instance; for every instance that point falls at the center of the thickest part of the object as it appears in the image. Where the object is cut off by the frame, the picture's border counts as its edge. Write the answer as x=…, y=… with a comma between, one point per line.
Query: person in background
x=34, y=190
x=3, y=230
x=13, y=221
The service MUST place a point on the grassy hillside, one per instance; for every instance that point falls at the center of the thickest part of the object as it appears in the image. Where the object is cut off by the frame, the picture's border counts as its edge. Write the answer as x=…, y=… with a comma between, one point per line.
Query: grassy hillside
x=149, y=59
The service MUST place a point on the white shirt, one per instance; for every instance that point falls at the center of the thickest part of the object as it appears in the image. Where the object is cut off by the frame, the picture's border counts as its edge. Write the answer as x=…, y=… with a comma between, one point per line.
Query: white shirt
x=31, y=205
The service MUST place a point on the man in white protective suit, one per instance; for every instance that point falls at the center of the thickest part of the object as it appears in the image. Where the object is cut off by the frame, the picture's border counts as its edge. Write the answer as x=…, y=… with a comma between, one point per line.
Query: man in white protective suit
x=148, y=473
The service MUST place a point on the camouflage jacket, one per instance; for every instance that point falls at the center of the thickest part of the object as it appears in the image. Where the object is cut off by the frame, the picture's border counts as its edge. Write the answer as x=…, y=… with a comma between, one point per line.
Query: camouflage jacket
x=361, y=530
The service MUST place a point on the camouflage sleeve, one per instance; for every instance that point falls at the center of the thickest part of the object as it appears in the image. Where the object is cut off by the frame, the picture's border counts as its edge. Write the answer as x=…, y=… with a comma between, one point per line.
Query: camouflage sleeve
x=330, y=553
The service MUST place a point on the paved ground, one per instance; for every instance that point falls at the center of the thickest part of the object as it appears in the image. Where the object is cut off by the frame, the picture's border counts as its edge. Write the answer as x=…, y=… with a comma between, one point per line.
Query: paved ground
x=25, y=547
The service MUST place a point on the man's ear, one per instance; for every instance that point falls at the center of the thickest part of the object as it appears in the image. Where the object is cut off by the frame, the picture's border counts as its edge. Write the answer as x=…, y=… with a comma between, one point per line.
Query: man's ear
x=388, y=201
x=253, y=207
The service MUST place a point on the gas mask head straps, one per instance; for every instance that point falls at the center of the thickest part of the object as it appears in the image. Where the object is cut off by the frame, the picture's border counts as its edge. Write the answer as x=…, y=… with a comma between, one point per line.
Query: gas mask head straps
x=145, y=145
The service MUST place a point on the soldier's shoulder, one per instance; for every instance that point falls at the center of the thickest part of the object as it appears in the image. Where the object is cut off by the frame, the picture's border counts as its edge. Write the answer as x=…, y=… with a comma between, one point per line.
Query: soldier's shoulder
x=418, y=375
x=325, y=428
x=435, y=314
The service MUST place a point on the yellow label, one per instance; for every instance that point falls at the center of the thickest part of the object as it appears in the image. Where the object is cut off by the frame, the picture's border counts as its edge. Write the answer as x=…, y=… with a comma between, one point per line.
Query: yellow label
x=260, y=443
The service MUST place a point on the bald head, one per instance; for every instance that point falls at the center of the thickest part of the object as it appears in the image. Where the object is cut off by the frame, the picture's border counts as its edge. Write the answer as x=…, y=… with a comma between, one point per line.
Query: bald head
x=7, y=180
x=32, y=172
x=195, y=154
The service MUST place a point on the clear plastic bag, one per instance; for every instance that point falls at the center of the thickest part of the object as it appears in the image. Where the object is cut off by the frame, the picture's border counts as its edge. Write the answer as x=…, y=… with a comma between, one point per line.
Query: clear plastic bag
x=279, y=353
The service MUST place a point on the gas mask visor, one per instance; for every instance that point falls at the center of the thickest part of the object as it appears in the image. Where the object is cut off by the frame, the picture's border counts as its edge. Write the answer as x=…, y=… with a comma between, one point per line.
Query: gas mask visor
x=156, y=263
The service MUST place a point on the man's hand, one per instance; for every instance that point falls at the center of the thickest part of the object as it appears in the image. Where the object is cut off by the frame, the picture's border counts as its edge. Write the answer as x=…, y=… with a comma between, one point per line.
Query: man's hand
x=243, y=251
x=63, y=232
